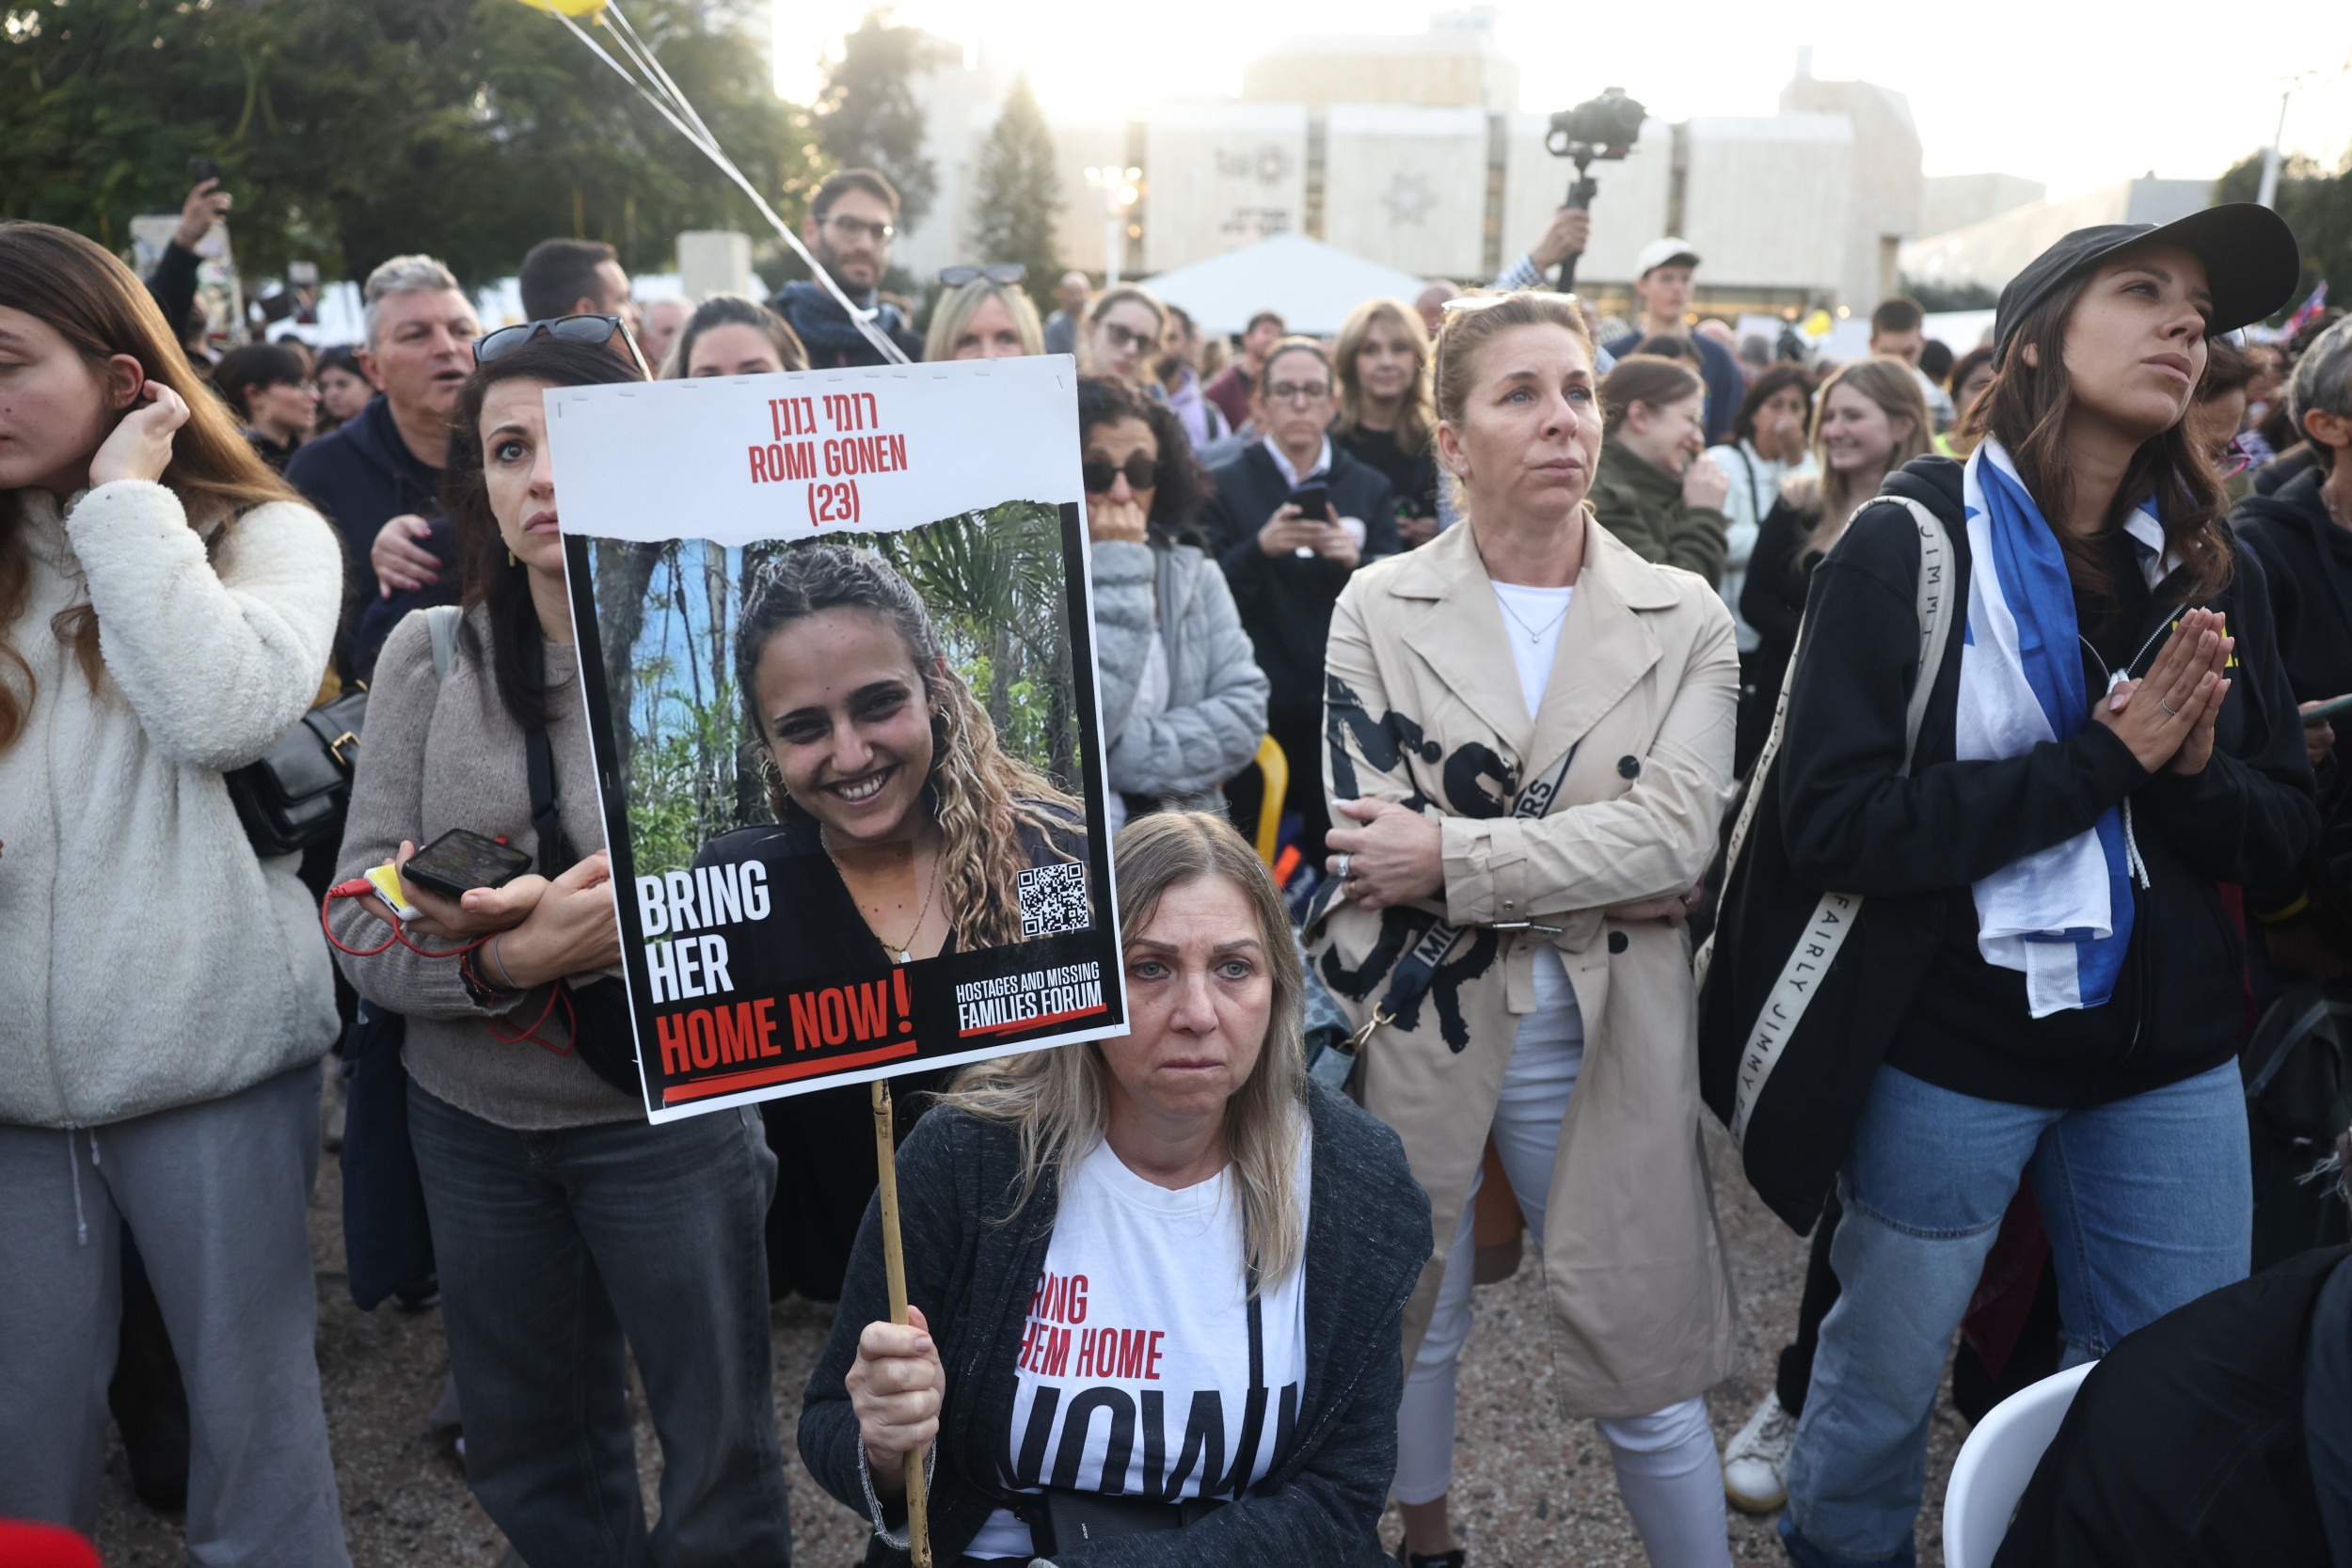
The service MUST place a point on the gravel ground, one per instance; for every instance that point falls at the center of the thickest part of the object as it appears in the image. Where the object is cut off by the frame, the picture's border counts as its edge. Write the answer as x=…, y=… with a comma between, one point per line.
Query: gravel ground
x=1532, y=1489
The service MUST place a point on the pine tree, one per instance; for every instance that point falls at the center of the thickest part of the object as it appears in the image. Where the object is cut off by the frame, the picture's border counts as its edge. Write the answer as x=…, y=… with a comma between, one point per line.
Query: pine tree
x=1019, y=192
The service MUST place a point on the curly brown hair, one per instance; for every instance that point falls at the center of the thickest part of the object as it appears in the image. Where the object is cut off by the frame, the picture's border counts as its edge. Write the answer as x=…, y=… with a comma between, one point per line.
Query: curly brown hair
x=979, y=797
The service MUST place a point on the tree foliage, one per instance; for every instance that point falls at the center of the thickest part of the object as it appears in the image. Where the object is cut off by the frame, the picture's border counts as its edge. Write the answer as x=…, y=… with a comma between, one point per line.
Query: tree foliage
x=867, y=116
x=2316, y=204
x=1018, y=194
x=354, y=130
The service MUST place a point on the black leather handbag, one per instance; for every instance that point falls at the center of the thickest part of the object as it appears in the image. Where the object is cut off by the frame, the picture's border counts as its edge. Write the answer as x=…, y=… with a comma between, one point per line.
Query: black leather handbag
x=297, y=796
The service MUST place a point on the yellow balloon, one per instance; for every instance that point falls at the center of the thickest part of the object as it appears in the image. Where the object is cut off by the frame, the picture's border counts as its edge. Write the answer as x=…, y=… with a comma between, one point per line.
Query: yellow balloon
x=568, y=7
x=1815, y=324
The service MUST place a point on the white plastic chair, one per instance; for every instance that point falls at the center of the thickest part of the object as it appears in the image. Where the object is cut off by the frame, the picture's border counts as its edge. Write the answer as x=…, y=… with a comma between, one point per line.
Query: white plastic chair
x=1995, y=1464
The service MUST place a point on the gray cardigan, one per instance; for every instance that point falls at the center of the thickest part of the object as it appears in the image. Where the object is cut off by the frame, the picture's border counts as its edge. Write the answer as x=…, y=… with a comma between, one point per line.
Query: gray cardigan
x=1215, y=713
x=443, y=755
x=970, y=1263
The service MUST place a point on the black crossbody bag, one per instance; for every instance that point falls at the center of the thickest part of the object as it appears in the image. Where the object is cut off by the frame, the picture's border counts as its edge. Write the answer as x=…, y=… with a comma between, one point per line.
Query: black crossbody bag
x=295, y=796
x=1062, y=1520
x=603, y=1034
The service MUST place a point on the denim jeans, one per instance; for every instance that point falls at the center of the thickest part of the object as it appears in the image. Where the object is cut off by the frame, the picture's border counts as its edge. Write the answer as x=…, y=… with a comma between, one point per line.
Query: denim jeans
x=554, y=1245
x=2147, y=1202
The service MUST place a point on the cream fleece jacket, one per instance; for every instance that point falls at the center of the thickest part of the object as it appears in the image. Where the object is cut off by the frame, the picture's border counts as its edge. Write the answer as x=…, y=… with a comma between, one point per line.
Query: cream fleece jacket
x=147, y=958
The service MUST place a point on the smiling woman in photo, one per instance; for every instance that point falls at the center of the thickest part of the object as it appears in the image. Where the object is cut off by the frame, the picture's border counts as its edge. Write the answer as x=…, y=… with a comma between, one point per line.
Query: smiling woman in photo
x=901, y=832
x=902, y=827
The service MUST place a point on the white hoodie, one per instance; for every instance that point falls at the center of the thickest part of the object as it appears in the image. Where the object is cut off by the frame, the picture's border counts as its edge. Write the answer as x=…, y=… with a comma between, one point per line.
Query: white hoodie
x=147, y=958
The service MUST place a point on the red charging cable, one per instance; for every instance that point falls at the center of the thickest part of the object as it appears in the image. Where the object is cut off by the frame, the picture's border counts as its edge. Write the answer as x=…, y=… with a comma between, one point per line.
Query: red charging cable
x=359, y=887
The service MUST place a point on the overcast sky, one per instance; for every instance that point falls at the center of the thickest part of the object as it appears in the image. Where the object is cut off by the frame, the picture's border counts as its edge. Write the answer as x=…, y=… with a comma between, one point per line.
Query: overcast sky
x=2076, y=93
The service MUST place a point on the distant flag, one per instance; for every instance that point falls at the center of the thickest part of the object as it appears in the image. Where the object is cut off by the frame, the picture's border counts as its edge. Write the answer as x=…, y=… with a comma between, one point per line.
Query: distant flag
x=2309, y=312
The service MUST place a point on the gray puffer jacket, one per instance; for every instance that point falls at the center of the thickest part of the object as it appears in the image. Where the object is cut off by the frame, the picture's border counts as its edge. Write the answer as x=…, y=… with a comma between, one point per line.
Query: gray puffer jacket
x=1216, y=694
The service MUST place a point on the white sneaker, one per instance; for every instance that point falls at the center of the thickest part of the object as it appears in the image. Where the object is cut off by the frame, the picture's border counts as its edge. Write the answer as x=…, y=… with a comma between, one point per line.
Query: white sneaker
x=1755, y=1465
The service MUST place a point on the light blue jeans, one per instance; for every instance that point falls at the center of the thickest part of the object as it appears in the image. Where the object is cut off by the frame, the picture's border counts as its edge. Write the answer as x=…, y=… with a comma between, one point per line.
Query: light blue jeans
x=2147, y=1202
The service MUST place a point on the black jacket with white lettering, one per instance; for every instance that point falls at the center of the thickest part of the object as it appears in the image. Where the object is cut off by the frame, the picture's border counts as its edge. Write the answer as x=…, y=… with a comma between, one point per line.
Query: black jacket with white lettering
x=972, y=1261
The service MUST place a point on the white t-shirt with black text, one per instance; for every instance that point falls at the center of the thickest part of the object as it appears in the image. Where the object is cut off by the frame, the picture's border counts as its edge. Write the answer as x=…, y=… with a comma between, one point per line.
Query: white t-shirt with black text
x=1138, y=1374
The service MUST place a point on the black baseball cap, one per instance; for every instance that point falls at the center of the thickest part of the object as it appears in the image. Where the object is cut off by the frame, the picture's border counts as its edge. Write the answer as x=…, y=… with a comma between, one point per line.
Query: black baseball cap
x=2251, y=264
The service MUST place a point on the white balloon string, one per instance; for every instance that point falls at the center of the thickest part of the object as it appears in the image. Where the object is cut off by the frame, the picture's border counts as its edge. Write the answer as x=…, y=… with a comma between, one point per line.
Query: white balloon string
x=672, y=106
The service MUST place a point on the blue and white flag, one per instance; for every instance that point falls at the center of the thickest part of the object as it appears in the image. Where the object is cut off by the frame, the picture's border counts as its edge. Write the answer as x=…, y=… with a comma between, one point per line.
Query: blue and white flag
x=2062, y=915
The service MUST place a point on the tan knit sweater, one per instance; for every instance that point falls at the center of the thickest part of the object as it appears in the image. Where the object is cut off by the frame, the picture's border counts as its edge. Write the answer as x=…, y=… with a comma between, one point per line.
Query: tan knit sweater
x=447, y=755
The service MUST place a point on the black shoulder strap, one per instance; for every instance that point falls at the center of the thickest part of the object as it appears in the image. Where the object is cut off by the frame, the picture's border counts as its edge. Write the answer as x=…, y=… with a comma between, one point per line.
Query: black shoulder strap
x=547, y=810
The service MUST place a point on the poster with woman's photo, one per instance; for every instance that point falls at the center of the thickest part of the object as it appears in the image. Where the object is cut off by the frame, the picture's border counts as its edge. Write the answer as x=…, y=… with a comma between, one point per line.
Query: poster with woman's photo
x=836, y=635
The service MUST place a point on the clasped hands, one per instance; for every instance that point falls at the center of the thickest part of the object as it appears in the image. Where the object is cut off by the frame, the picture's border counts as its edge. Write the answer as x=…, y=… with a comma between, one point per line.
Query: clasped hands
x=2166, y=717
x=1397, y=855
x=546, y=928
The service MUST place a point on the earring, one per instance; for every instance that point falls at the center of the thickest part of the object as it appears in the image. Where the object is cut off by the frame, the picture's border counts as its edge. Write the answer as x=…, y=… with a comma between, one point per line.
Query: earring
x=509, y=558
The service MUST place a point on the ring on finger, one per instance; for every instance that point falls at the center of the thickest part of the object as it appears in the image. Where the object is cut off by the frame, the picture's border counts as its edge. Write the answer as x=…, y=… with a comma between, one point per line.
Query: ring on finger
x=2167, y=707
x=1347, y=865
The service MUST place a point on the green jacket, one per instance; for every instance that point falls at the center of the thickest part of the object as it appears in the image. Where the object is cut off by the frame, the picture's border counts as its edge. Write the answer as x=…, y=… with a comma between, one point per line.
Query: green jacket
x=1642, y=504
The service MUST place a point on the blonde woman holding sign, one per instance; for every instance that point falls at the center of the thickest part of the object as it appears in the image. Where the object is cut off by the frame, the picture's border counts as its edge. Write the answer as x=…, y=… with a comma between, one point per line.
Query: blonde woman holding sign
x=1529, y=744
x=1155, y=1281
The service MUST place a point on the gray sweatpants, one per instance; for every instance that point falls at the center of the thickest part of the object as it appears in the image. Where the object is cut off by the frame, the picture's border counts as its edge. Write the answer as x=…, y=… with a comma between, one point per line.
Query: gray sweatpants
x=217, y=1194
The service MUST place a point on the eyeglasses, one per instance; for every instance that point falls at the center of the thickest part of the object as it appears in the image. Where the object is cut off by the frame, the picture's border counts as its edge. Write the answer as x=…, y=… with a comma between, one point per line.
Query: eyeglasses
x=1008, y=272
x=1142, y=472
x=572, y=329
x=1285, y=391
x=860, y=229
x=1125, y=338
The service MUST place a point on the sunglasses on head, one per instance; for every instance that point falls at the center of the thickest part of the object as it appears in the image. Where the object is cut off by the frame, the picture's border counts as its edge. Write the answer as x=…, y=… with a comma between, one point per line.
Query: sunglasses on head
x=575, y=329
x=995, y=271
x=1142, y=473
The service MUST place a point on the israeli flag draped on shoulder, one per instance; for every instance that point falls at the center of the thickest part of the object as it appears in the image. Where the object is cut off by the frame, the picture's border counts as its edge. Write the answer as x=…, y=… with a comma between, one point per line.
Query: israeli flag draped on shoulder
x=2061, y=916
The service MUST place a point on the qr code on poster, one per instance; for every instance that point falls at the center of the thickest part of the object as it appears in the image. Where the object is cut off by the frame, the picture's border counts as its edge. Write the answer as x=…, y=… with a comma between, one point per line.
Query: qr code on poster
x=1054, y=899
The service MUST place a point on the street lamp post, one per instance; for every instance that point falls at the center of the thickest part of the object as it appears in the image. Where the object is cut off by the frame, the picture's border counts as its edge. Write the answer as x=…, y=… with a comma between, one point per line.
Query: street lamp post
x=1121, y=190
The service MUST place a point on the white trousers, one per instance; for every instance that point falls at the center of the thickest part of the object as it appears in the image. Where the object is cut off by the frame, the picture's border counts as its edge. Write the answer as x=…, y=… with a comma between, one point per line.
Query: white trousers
x=1668, y=1470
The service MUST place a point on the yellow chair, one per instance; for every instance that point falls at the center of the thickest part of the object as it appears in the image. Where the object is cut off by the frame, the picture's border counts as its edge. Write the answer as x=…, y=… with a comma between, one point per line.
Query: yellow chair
x=1275, y=769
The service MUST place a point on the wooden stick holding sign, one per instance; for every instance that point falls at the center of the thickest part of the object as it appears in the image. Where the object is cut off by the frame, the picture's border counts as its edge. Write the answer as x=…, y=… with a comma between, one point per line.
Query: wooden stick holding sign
x=894, y=1267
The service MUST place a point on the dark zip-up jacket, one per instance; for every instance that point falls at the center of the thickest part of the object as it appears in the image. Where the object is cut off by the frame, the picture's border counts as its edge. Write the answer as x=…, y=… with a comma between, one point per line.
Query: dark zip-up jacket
x=1642, y=504
x=971, y=1263
x=1285, y=602
x=361, y=477
x=1852, y=822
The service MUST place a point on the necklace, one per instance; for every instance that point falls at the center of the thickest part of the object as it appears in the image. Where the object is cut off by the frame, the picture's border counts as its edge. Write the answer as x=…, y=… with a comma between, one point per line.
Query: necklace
x=904, y=949
x=1535, y=634
x=2335, y=515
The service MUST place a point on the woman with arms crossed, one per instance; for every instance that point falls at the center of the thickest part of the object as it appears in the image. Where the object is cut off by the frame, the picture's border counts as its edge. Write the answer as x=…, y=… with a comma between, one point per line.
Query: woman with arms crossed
x=1166, y=1273
x=1530, y=742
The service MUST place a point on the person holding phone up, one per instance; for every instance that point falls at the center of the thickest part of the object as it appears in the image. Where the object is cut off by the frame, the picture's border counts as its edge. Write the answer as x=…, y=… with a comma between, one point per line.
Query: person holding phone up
x=1292, y=518
x=563, y=1225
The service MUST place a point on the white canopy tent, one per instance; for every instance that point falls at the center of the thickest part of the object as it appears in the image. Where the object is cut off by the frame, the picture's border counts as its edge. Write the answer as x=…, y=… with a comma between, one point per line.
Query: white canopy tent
x=1312, y=285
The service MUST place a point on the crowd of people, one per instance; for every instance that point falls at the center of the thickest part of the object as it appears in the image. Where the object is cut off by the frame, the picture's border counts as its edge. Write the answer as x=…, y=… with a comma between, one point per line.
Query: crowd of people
x=1589, y=649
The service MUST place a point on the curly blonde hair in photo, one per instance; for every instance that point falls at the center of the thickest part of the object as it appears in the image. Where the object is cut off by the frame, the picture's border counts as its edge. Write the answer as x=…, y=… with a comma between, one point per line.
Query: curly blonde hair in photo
x=980, y=797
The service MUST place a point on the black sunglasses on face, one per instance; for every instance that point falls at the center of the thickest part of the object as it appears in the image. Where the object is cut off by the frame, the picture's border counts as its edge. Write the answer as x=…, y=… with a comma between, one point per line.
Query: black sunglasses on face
x=577, y=329
x=995, y=271
x=1143, y=474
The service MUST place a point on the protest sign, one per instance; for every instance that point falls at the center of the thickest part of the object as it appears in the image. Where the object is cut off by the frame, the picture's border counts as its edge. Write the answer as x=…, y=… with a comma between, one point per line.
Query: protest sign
x=836, y=635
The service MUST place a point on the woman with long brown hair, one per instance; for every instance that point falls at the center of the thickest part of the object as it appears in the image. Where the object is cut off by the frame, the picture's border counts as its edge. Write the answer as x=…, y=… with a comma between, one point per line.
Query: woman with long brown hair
x=571, y=1237
x=901, y=829
x=166, y=606
x=1387, y=420
x=2042, y=984
x=1869, y=419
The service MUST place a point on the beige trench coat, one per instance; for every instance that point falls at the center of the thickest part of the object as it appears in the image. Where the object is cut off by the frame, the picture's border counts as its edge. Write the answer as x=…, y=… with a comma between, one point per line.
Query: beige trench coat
x=1643, y=691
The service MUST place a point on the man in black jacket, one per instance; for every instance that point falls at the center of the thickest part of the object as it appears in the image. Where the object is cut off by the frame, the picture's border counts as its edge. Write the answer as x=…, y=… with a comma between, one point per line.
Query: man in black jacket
x=1287, y=570
x=385, y=467
x=849, y=229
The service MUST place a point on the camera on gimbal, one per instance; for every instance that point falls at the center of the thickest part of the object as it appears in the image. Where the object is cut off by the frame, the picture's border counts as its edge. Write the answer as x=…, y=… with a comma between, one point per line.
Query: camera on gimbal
x=1602, y=130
